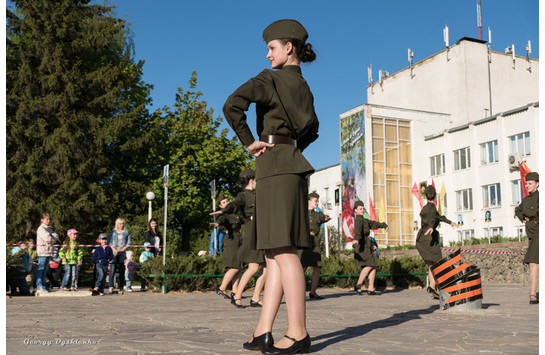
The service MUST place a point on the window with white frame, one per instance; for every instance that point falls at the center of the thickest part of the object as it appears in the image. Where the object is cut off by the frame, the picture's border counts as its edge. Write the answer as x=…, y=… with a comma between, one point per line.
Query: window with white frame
x=520, y=231
x=491, y=195
x=437, y=164
x=516, y=191
x=489, y=152
x=496, y=231
x=520, y=143
x=462, y=159
x=464, y=200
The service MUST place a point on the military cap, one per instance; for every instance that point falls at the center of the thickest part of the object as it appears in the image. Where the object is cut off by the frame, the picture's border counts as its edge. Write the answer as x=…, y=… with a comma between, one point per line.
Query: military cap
x=430, y=190
x=221, y=197
x=358, y=204
x=532, y=176
x=285, y=29
x=246, y=172
x=313, y=194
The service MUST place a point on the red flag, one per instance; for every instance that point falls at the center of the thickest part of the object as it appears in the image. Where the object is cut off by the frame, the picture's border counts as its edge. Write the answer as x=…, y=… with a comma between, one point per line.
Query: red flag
x=523, y=173
x=433, y=184
x=416, y=194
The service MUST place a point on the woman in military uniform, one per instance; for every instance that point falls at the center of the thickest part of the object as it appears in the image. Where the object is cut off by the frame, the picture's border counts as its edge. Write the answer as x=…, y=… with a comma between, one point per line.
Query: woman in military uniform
x=364, y=251
x=427, y=239
x=230, y=222
x=528, y=213
x=286, y=125
x=244, y=203
x=312, y=257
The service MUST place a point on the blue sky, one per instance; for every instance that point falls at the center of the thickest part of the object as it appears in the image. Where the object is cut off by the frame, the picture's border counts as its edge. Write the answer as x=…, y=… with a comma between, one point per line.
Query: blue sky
x=221, y=41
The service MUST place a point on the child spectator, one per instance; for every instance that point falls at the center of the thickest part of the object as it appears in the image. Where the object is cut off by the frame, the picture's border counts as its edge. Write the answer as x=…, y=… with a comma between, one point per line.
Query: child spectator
x=144, y=257
x=102, y=255
x=130, y=266
x=19, y=267
x=71, y=257
x=31, y=278
x=54, y=271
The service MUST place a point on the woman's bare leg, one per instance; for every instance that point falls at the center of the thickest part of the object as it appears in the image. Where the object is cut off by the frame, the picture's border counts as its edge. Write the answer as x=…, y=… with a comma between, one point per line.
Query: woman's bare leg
x=248, y=274
x=371, y=279
x=260, y=282
x=363, y=274
x=315, y=279
x=229, y=275
x=534, y=277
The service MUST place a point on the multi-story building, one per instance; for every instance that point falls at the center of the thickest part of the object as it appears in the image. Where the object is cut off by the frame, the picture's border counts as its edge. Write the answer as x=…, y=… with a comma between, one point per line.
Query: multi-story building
x=461, y=119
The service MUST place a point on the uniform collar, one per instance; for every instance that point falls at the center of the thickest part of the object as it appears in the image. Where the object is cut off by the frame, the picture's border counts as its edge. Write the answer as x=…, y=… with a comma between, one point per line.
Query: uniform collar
x=294, y=68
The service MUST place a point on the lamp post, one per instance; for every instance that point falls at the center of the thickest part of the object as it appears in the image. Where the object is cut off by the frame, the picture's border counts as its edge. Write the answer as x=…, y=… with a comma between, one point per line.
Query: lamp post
x=150, y=196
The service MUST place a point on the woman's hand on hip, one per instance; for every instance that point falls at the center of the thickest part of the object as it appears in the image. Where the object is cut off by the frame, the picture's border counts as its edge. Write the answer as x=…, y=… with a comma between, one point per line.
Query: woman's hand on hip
x=258, y=147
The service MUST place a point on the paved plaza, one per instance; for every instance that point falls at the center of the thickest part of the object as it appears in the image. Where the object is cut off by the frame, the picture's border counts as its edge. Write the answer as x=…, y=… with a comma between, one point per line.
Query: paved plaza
x=396, y=322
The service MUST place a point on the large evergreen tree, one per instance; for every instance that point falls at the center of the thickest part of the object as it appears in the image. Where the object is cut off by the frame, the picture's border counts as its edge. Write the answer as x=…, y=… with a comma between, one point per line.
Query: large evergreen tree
x=77, y=129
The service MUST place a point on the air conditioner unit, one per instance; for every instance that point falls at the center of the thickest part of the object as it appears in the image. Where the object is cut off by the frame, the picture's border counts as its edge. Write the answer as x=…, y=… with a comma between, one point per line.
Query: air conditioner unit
x=513, y=160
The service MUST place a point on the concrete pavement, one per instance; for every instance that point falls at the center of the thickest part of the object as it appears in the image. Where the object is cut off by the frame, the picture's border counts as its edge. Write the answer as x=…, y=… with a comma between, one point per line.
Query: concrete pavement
x=396, y=322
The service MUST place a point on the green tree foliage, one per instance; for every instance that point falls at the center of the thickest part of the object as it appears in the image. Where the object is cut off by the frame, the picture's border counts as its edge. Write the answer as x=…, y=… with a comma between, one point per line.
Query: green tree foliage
x=188, y=138
x=76, y=117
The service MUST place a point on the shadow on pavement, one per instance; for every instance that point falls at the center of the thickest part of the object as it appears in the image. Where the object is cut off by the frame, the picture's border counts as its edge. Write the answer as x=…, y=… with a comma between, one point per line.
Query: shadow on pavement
x=357, y=331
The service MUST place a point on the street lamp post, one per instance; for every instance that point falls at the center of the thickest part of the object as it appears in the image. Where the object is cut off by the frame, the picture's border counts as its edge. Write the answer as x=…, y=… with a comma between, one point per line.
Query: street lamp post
x=150, y=196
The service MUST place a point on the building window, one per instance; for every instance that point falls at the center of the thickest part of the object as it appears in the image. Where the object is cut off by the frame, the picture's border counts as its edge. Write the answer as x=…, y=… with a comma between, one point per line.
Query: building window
x=521, y=232
x=437, y=164
x=464, y=200
x=516, y=191
x=496, y=232
x=462, y=159
x=466, y=235
x=491, y=195
x=520, y=143
x=337, y=196
x=489, y=152
x=392, y=179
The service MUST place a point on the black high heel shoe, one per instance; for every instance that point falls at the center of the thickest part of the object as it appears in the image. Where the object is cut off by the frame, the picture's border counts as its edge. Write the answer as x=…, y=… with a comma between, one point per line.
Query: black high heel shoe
x=534, y=299
x=298, y=347
x=221, y=293
x=236, y=304
x=261, y=342
x=255, y=304
x=358, y=290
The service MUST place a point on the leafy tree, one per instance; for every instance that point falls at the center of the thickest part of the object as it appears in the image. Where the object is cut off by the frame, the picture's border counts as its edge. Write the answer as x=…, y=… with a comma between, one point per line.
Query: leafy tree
x=187, y=137
x=76, y=117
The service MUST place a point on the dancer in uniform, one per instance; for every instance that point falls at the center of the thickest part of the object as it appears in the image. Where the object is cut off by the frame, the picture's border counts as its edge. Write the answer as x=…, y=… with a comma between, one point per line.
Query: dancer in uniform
x=313, y=257
x=528, y=213
x=427, y=239
x=286, y=125
x=364, y=251
x=245, y=202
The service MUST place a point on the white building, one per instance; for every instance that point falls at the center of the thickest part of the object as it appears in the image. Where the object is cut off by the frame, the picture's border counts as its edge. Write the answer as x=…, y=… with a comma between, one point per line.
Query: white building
x=453, y=118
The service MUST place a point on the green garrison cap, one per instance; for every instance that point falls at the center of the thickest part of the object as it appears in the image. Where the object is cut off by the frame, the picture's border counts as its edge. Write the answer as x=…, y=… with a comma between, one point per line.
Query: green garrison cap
x=358, y=204
x=221, y=197
x=430, y=190
x=246, y=172
x=313, y=194
x=285, y=29
x=532, y=176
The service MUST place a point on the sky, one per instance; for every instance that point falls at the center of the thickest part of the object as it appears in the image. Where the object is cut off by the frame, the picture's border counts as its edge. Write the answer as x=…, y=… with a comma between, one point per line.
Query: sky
x=222, y=41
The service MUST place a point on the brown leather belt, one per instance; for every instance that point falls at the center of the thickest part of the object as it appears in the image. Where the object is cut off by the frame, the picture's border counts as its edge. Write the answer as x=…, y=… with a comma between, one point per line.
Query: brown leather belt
x=275, y=139
x=313, y=234
x=532, y=219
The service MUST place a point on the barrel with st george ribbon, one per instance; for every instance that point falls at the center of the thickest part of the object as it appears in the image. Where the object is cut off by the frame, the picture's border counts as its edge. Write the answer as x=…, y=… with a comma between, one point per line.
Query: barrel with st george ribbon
x=459, y=283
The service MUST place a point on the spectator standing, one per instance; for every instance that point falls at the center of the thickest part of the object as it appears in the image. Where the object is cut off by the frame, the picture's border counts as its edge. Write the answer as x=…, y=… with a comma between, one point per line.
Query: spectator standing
x=20, y=268
x=153, y=236
x=144, y=257
x=119, y=240
x=31, y=278
x=54, y=271
x=71, y=257
x=130, y=267
x=44, y=238
x=101, y=257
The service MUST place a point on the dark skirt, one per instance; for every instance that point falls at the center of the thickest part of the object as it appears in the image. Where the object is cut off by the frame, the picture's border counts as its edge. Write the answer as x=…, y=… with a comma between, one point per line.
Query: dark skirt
x=281, y=212
x=231, y=244
x=365, y=257
x=313, y=256
x=244, y=252
x=428, y=245
x=532, y=254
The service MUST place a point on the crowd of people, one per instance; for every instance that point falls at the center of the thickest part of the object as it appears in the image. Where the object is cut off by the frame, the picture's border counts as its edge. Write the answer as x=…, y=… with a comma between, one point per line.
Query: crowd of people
x=29, y=269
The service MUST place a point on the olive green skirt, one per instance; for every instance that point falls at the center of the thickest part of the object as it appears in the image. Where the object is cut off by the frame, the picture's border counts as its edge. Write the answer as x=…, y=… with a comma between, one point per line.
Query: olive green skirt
x=532, y=254
x=231, y=244
x=281, y=212
x=428, y=245
x=244, y=252
x=313, y=256
x=364, y=256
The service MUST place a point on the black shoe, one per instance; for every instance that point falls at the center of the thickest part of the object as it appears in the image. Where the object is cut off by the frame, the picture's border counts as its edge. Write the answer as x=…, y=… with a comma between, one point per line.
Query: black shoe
x=315, y=296
x=221, y=293
x=236, y=304
x=358, y=290
x=434, y=293
x=255, y=304
x=298, y=347
x=534, y=299
x=373, y=293
x=261, y=342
